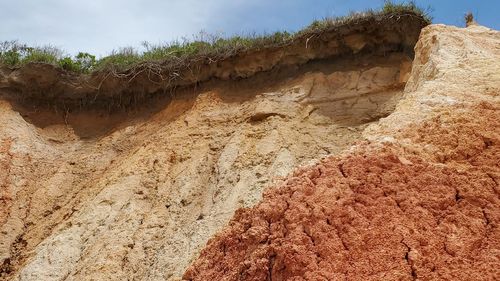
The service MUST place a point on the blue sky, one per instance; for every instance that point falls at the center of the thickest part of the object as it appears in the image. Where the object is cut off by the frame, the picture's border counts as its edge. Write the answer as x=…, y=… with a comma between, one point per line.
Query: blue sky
x=99, y=26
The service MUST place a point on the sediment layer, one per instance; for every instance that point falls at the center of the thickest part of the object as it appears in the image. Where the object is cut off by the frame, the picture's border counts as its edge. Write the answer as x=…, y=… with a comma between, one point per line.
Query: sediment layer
x=418, y=200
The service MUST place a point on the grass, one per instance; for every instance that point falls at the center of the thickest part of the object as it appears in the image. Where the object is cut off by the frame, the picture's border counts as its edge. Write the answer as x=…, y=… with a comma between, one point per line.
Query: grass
x=179, y=53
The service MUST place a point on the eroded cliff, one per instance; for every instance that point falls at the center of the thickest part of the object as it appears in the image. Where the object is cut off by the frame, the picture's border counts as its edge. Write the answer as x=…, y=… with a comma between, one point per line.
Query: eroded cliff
x=418, y=200
x=96, y=192
x=126, y=177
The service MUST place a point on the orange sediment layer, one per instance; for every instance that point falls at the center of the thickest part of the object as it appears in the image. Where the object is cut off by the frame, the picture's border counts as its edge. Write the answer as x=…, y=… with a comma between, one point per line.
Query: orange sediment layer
x=380, y=212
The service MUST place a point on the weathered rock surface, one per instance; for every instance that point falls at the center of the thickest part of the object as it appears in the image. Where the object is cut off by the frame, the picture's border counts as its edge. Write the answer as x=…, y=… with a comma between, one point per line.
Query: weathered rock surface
x=418, y=200
x=80, y=202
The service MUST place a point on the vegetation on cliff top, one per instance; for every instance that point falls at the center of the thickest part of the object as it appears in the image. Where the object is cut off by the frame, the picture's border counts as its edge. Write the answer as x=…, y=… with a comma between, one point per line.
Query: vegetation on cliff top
x=179, y=53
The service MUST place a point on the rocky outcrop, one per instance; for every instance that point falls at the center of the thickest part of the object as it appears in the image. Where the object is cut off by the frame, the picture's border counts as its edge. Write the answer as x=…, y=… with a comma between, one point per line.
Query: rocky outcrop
x=419, y=199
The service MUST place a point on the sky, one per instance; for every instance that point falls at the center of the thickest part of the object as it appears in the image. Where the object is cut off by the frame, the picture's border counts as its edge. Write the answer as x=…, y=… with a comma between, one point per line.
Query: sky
x=101, y=26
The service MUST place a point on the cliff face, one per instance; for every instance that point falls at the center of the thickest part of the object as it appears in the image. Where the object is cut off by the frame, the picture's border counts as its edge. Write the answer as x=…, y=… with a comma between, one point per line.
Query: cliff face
x=419, y=199
x=94, y=194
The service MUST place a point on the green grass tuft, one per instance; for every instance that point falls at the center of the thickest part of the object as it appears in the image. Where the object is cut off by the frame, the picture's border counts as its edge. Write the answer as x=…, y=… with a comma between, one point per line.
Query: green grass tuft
x=410, y=6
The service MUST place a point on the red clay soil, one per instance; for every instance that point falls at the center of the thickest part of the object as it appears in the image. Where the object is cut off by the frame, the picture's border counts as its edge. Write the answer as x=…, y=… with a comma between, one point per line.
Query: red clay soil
x=380, y=213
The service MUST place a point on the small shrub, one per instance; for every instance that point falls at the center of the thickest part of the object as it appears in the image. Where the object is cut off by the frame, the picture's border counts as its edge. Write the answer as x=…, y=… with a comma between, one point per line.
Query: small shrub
x=47, y=54
x=83, y=62
x=10, y=58
x=86, y=62
x=68, y=64
x=11, y=52
x=119, y=59
x=469, y=19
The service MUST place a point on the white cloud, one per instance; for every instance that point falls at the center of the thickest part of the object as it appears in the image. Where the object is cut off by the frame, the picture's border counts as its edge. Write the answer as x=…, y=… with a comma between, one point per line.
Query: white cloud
x=98, y=27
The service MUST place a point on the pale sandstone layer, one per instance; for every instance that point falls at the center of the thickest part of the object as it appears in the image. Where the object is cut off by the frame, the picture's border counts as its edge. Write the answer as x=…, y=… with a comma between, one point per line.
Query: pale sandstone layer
x=418, y=200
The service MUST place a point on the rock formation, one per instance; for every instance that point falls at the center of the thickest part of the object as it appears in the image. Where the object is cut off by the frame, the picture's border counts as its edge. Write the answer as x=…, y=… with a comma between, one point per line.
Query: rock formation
x=407, y=185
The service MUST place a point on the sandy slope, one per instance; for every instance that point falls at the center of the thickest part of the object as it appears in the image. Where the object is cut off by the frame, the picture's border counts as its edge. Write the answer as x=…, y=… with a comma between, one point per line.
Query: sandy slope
x=419, y=200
